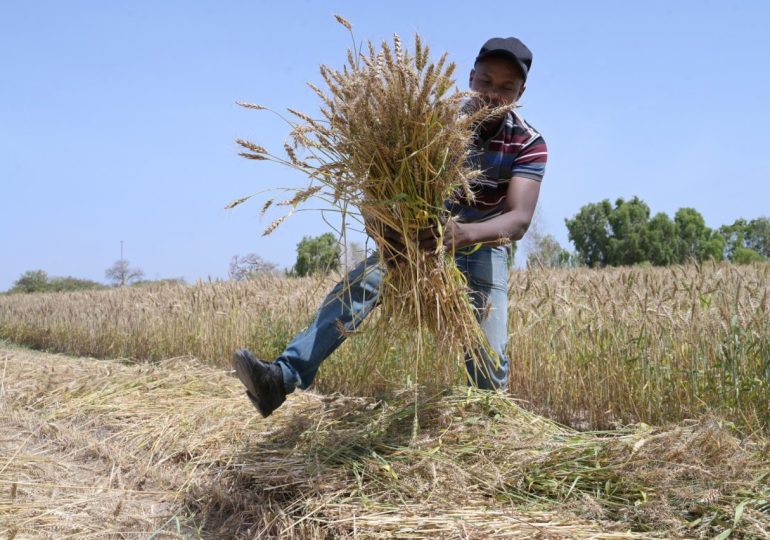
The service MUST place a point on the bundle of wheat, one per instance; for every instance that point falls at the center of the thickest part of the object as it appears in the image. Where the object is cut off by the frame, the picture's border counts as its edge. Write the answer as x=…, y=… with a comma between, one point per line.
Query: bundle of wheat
x=391, y=149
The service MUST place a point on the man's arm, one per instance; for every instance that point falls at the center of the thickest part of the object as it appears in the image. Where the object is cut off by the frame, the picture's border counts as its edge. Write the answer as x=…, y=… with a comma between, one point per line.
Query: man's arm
x=520, y=202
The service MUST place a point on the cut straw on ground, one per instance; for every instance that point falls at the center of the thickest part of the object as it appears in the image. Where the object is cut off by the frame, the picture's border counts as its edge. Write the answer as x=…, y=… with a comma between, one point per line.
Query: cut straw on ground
x=96, y=449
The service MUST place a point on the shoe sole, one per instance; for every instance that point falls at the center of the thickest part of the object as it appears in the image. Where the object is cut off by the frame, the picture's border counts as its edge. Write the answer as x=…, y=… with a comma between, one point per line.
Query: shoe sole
x=243, y=370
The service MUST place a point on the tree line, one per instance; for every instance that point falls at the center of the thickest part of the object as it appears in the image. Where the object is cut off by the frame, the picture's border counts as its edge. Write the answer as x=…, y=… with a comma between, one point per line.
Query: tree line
x=320, y=254
x=603, y=234
x=120, y=274
x=624, y=234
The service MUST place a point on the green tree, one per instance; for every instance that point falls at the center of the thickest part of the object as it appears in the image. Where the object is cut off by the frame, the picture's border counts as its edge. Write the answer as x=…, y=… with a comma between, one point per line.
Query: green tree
x=625, y=235
x=604, y=235
x=628, y=222
x=745, y=237
x=320, y=254
x=758, y=236
x=695, y=241
x=659, y=240
x=744, y=255
x=590, y=232
x=31, y=281
x=735, y=237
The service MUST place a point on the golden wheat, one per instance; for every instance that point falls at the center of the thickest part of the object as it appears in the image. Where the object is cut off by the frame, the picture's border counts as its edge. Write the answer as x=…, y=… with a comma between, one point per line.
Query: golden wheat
x=589, y=348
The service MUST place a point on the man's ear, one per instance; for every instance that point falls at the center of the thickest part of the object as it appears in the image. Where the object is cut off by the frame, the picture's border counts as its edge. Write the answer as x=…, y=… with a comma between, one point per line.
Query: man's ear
x=521, y=92
x=470, y=78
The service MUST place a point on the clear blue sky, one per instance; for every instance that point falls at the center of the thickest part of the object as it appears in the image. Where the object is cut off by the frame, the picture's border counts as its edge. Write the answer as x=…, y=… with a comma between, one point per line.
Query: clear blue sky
x=117, y=119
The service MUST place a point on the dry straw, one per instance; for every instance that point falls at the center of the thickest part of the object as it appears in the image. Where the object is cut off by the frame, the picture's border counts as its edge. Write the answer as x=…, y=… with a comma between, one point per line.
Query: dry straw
x=390, y=149
x=99, y=449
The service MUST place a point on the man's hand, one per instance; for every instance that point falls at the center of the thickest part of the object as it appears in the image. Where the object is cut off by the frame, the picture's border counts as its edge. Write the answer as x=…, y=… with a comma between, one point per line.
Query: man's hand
x=394, y=245
x=390, y=241
x=454, y=236
x=393, y=250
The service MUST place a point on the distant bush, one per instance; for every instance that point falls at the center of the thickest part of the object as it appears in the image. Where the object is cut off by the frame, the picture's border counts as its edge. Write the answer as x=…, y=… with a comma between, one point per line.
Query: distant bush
x=744, y=255
x=64, y=284
x=37, y=281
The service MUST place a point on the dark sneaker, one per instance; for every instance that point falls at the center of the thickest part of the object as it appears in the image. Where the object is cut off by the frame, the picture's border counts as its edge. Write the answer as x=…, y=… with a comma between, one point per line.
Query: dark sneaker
x=263, y=381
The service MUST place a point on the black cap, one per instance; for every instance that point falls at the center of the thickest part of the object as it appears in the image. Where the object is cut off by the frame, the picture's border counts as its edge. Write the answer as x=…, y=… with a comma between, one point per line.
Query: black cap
x=508, y=48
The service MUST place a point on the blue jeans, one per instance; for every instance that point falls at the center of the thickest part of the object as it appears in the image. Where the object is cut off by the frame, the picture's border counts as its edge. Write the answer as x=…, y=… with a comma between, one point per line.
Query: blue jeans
x=354, y=298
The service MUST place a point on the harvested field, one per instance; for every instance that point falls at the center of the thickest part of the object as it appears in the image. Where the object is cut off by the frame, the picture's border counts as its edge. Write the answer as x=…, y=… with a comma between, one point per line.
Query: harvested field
x=104, y=449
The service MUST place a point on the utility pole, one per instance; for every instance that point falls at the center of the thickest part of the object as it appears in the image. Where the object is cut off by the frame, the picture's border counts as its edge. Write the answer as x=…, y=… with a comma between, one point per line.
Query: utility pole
x=124, y=267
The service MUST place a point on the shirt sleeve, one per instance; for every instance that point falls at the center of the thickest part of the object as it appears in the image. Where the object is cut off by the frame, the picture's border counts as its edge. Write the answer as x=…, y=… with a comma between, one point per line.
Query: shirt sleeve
x=530, y=163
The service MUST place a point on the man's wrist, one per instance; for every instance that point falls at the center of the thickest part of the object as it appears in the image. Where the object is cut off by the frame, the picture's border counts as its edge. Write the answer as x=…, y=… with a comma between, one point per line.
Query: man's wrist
x=464, y=235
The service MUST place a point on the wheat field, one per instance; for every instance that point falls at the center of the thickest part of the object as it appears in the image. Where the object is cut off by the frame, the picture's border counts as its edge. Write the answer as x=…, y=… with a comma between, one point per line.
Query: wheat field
x=591, y=349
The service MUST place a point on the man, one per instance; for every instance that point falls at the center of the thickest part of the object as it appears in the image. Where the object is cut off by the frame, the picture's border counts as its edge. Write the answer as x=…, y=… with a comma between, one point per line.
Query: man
x=512, y=157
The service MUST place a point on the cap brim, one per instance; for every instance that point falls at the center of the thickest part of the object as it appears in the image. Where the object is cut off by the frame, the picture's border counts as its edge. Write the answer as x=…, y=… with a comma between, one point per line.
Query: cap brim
x=505, y=54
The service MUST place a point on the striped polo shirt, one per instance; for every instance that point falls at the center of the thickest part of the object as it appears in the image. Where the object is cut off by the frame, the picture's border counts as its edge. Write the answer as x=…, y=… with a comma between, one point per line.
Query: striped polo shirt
x=517, y=149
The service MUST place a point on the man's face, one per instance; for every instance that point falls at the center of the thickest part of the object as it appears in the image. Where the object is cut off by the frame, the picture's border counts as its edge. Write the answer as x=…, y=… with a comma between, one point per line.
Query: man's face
x=498, y=80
